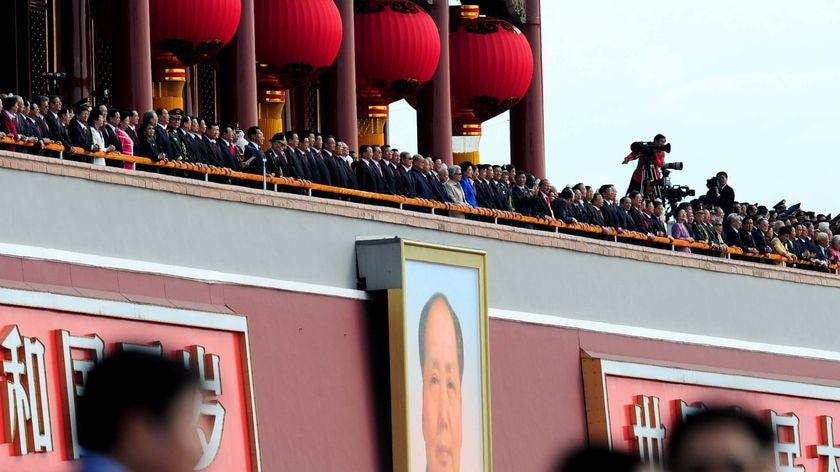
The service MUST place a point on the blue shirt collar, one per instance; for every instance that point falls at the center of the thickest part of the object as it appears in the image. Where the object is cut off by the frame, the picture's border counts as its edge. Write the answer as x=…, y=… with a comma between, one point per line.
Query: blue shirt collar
x=101, y=463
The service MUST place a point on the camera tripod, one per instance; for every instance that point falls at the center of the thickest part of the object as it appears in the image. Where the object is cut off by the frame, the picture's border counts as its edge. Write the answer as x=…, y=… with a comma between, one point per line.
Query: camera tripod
x=649, y=178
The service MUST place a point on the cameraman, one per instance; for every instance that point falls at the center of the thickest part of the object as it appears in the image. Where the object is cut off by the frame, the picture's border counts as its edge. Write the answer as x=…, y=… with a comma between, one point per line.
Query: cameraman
x=658, y=159
x=722, y=194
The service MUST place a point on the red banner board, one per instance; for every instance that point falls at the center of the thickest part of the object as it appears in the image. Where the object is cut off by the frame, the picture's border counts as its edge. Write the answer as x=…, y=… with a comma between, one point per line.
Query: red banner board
x=634, y=407
x=46, y=354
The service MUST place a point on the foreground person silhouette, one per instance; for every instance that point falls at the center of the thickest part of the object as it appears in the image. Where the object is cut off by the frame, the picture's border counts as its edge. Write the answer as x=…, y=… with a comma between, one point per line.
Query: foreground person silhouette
x=137, y=415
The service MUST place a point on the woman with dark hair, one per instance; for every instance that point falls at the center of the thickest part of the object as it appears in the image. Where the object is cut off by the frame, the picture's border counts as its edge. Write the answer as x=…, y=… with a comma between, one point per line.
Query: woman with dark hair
x=96, y=121
x=147, y=147
x=679, y=231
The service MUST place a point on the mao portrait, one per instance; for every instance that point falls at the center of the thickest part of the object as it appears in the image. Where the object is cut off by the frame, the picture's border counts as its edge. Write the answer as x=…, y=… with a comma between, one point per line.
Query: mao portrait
x=441, y=345
x=445, y=396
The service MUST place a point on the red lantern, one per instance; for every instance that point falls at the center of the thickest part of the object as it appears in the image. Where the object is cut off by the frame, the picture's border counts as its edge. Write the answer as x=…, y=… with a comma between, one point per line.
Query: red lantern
x=397, y=49
x=297, y=39
x=191, y=30
x=491, y=66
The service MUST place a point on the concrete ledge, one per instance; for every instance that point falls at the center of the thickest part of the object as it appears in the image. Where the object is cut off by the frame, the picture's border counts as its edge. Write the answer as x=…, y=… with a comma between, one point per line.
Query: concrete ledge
x=196, y=188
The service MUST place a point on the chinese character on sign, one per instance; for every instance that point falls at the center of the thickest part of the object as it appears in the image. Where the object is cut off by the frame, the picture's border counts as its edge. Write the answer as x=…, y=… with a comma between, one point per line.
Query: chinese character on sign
x=648, y=431
x=26, y=407
x=153, y=349
x=787, y=447
x=74, y=371
x=210, y=410
x=687, y=410
x=827, y=451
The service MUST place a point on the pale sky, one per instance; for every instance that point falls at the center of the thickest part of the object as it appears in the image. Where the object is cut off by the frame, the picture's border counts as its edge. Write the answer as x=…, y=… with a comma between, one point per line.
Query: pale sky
x=751, y=87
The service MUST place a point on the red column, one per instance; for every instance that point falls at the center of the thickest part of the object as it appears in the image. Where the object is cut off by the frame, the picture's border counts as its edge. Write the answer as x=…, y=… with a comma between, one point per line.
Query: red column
x=434, y=111
x=76, y=50
x=140, y=56
x=245, y=91
x=347, y=125
x=527, y=122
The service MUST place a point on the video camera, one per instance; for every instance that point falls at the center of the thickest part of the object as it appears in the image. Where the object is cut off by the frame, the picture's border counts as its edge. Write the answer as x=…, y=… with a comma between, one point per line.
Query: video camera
x=648, y=148
x=712, y=183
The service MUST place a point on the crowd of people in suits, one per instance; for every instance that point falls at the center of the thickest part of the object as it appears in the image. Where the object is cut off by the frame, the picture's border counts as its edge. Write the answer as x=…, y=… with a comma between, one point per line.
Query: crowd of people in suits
x=172, y=135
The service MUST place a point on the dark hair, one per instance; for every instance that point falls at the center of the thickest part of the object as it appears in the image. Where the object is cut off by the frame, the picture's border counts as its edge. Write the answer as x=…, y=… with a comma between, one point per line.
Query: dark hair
x=112, y=112
x=784, y=230
x=159, y=111
x=41, y=100
x=290, y=135
x=748, y=218
x=54, y=99
x=603, y=189
x=94, y=115
x=125, y=383
x=722, y=173
x=633, y=194
x=364, y=148
x=211, y=124
x=599, y=459
x=566, y=193
x=252, y=131
x=64, y=111
x=424, y=319
x=659, y=136
x=10, y=101
x=147, y=116
x=763, y=436
x=143, y=127
x=224, y=128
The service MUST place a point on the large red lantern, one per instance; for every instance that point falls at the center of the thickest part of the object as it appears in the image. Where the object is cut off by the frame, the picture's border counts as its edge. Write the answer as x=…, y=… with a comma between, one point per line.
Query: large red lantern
x=397, y=52
x=491, y=66
x=191, y=30
x=397, y=48
x=297, y=40
x=183, y=33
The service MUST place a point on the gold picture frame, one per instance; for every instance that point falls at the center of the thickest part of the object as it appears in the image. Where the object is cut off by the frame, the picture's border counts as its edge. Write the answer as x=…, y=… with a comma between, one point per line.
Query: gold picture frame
x=428, y=258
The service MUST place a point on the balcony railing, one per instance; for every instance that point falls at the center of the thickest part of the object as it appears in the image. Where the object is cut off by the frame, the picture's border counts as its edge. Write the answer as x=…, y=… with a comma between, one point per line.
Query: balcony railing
x=271, y=183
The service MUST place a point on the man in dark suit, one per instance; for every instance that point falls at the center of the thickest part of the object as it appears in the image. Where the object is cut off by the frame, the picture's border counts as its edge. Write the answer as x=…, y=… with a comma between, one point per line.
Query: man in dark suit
x=79, y=131
x=640, y=223
x=133, y=122
x=316, y=159
x=228, y=148
x=405, y=182
x=36, y=129
x=522, y=196
x=484, y=193
x=725, y=197
x=745, y=235
x=731, y=232
x=254, y=159
x=111, y=124
x=164, y=143
x=305, y=155
x=596, y=213
x=212, y=147
x=331, y=161
x=543, y=207
x=387, y=175
x=562, y=206
x=299, y=168
x=421, y=182
x=368, y=175
x=277, y=164
x=51, y=116
x=342, y=152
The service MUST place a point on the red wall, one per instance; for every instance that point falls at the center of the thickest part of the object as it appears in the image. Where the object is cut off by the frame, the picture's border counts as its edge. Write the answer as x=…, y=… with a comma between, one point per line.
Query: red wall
x=321, y=368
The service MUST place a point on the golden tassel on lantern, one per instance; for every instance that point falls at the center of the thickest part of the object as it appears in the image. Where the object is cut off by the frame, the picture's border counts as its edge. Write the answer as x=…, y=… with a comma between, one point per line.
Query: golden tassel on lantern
x=270, y=111
x=465, y=142
x=168, y=87
x=372, y=125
